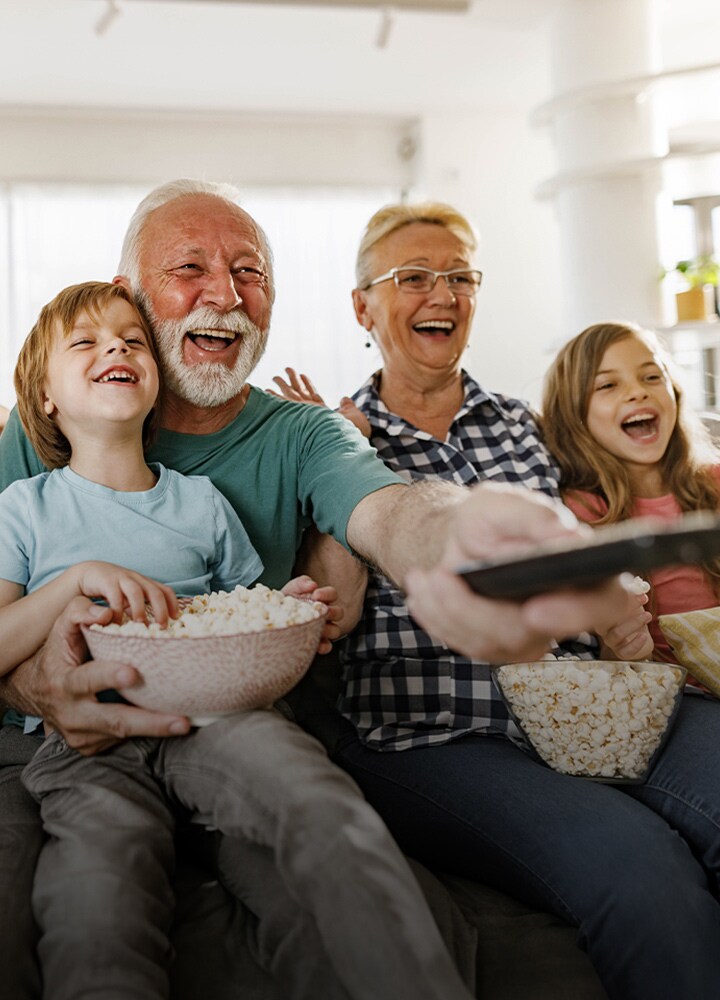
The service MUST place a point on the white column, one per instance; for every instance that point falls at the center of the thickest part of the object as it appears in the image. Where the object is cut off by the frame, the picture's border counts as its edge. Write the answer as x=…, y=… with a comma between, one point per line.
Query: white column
x=607, y=138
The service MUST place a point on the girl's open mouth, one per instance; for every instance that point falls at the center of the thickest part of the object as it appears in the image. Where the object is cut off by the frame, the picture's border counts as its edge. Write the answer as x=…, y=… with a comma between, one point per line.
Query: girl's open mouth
x=641, y=425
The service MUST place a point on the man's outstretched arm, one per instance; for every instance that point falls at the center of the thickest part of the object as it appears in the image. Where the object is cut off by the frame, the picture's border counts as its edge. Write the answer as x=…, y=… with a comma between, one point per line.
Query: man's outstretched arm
x=418, y=535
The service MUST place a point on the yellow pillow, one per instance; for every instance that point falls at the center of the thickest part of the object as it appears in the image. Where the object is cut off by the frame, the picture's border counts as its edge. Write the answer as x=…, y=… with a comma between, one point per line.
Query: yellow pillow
x=695, y=640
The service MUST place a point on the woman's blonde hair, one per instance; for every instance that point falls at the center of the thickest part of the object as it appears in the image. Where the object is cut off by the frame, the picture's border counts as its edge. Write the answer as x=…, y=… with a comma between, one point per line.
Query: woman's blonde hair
x=392, y=217
x=60, y=315
x=589, y=467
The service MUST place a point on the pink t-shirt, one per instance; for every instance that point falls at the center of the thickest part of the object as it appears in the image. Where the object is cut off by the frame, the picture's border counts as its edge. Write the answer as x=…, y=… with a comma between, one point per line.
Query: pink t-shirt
x=675, y=588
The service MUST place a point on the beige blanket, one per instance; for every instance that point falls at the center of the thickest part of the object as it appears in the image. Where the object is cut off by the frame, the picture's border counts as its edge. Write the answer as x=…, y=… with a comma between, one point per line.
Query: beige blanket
x=695, y=640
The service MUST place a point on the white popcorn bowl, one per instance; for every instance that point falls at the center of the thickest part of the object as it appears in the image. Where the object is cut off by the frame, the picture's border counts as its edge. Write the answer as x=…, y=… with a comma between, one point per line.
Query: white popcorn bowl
x=207, y=677
x=585, y=738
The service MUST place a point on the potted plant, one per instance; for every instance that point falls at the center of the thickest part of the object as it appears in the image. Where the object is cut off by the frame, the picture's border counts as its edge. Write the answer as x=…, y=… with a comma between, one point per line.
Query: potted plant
x=697, y=301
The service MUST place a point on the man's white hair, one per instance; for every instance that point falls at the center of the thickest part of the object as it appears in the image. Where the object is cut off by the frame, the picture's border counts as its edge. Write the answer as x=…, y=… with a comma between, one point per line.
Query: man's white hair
x=129, y=265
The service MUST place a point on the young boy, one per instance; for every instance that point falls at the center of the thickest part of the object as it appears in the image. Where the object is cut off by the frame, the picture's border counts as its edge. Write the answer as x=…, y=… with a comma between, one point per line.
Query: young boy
x=87, y=384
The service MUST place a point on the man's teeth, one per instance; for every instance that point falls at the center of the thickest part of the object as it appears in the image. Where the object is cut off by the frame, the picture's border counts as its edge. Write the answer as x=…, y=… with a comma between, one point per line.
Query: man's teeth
x=227, y=335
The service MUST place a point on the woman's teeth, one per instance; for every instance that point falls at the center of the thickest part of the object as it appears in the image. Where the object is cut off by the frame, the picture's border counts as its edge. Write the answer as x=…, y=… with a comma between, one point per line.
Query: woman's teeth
x=445, y=327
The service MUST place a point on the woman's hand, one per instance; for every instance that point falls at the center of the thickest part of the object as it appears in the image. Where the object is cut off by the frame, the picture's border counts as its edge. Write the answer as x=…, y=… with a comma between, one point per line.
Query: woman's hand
x=356, y=416
x=305, y=588
x=126, y=592
x=300, y=389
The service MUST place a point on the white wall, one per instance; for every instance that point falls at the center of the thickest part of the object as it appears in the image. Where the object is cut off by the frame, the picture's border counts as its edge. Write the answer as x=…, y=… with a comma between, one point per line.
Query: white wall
x=489, y=164
x=144, y=147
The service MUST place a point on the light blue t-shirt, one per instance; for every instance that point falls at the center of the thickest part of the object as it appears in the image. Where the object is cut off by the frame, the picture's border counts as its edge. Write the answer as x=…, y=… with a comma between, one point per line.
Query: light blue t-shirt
x=182, y=532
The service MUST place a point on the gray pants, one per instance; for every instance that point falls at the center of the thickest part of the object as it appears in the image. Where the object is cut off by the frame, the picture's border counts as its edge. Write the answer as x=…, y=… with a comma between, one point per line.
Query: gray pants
x=216, y=940
x=295, y=830
x=21, y=838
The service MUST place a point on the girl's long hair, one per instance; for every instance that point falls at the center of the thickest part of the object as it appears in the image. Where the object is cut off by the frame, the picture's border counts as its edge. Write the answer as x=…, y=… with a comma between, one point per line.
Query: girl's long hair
x=588, y=467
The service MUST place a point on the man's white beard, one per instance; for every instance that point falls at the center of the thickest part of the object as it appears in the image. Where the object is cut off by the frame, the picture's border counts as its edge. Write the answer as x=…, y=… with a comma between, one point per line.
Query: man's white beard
x=209, y=383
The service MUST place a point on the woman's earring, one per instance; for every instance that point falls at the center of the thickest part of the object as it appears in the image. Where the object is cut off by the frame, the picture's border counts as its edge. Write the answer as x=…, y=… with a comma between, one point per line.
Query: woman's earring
x=367, y=340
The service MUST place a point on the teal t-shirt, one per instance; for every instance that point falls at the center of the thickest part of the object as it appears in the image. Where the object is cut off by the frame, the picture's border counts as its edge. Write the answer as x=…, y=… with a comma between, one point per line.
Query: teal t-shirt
x=281, y=466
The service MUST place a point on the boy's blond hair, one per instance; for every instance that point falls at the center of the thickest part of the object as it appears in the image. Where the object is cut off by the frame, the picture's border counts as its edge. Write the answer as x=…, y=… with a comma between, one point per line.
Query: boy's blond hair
x=91, y=297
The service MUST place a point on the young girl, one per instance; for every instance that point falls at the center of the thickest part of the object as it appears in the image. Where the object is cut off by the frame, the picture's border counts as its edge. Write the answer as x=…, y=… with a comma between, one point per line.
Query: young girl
x=615, y=418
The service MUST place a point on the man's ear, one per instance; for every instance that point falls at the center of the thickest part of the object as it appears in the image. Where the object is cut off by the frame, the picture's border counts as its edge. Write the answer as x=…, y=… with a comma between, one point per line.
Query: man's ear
x=120, y=279
x=362, y=312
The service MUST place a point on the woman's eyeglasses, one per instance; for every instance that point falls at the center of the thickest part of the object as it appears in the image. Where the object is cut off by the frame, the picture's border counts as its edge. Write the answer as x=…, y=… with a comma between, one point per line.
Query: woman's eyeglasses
x=422, y=280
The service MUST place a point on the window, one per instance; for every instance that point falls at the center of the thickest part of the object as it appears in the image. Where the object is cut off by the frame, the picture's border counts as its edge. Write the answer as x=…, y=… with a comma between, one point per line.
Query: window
x=696, y=349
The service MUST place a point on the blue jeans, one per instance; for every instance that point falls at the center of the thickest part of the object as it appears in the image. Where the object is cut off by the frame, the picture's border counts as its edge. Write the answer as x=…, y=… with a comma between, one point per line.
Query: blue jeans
x=634, y=868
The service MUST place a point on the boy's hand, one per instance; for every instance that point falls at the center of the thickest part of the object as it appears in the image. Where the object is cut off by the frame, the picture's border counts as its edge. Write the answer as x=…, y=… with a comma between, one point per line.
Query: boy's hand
x=126, y=591
x=59, y=685
x=305, y=588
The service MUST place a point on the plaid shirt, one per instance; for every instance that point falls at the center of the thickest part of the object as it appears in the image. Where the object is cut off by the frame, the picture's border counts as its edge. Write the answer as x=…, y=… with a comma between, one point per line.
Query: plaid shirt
x=401, y=688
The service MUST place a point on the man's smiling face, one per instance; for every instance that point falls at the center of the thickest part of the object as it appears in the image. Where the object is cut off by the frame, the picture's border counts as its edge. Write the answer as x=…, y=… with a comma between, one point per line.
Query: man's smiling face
x=205, y=287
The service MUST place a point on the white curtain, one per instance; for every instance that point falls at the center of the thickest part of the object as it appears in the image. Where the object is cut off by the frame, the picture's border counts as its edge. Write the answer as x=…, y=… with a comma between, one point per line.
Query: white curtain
x=54, y=235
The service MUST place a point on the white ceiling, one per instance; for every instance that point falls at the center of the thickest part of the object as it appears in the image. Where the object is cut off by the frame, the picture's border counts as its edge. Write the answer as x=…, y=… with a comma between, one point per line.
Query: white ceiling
x=293, y=58
x=195, y=54
x=231, y=55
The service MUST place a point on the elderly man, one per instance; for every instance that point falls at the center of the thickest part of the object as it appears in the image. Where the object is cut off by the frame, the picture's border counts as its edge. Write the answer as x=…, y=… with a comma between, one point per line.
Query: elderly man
x=201, y=269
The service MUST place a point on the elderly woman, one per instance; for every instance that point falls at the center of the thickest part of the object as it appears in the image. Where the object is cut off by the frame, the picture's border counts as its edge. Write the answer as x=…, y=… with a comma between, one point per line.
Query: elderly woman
x=432, y=746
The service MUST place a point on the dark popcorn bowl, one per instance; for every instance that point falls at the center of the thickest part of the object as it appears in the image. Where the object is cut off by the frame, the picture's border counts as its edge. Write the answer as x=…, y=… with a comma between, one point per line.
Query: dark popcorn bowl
x=588, y=718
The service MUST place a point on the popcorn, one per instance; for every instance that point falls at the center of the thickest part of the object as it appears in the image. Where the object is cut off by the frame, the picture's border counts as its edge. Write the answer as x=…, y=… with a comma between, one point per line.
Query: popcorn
x=591, y=718
x=240, y=611
x=636, y=585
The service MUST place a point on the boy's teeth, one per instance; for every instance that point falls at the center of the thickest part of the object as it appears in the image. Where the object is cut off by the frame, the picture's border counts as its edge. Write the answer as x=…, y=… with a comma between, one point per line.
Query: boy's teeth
x=118, y=377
